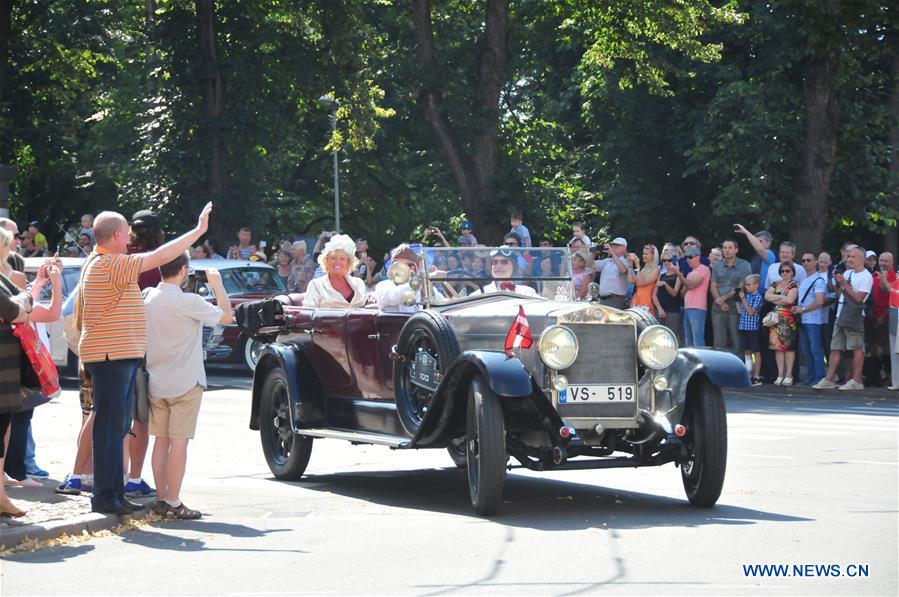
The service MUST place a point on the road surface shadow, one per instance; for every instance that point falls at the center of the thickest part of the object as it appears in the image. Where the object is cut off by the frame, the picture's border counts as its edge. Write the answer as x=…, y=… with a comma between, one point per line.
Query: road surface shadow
x=544, y=503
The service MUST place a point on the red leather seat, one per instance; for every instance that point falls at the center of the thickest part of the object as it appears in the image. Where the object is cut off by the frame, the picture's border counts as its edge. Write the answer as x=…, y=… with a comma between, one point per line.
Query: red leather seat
x=294, y=299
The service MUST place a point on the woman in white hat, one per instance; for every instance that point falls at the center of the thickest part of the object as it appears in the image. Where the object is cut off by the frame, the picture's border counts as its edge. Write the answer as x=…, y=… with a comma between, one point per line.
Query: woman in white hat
x=337, y=289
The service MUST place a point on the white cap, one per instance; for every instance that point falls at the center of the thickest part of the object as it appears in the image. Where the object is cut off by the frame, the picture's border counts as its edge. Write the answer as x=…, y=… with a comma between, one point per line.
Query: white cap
x=619, y=241
x=870, y=254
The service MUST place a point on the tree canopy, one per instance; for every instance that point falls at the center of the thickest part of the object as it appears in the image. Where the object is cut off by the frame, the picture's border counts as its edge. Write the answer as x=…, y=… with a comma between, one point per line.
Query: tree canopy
x=651, y=119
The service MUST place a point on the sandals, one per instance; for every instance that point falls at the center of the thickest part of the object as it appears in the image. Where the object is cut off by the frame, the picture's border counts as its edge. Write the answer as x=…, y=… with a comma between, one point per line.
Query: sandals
x=180, y=512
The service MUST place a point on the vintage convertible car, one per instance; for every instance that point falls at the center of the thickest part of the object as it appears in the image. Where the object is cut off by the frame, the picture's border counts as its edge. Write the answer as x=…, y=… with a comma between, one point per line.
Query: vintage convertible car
x=489, y=375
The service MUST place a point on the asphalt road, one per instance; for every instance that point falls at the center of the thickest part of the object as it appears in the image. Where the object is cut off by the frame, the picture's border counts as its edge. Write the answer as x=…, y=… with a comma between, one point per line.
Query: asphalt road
x=811, y=480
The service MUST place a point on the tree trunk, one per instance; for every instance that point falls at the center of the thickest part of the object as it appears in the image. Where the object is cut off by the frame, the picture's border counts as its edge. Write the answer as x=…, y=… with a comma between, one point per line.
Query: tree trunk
x=818, y=154
x=5, y=34
x=891, y=238
x=473, y=165
x=214, y=94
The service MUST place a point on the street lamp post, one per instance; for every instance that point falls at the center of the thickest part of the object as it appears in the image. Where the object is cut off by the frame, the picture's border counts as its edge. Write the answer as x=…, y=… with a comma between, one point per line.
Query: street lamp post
x=326, y=102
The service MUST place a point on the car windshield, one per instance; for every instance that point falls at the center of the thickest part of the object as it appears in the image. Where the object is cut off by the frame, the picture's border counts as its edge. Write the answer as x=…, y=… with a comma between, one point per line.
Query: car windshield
x=457, y=272
x=246, y=280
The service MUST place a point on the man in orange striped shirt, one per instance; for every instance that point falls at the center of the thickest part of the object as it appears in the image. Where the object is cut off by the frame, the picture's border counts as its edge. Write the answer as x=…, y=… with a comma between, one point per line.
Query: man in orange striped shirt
x=114, y=339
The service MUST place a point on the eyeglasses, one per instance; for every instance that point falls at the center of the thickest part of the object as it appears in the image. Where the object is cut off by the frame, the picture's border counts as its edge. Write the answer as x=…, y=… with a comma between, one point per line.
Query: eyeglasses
x=502, y=262
x=786, y=271
x=666, y=261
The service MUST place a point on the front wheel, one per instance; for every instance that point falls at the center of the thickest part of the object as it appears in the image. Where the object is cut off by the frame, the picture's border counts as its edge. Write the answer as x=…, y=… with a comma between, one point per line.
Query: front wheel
x=286, y=453
x=706, y=421
x=485, y=448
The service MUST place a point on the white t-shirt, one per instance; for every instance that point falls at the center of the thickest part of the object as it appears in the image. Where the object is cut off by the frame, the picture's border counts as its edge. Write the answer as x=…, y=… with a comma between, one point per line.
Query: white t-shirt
x=773, y=274
x=861, y=281
x=175, y=321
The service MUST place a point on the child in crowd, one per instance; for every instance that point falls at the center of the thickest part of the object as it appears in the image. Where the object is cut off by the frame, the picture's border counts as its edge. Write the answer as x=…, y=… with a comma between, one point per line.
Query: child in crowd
x=750, y=306
x=515, y=220
x=579, y=231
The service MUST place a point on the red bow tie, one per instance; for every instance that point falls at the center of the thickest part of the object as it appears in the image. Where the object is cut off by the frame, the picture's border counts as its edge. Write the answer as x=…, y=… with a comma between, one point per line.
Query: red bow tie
x=507, y=286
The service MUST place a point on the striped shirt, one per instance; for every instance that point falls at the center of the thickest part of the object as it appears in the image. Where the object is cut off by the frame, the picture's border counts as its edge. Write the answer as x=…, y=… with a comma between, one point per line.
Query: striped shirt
x=114, y=322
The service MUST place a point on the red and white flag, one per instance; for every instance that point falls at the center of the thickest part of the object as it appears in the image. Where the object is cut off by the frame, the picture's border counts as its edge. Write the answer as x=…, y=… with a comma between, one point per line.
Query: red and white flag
x=519, y=335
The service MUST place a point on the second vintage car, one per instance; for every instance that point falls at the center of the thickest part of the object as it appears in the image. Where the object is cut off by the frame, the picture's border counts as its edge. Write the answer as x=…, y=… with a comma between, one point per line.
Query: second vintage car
x=244, y=281
x=489, y=373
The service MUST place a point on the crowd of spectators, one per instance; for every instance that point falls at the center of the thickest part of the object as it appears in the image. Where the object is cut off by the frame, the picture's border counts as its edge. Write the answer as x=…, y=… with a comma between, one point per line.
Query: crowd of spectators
x=839, y=315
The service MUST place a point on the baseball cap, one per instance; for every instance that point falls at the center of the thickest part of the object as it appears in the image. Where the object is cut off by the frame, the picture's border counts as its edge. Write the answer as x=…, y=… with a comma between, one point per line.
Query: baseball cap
x=34, y=223
x=618, y=241
x=692, y=251
x=466, y=225
x=869, y=254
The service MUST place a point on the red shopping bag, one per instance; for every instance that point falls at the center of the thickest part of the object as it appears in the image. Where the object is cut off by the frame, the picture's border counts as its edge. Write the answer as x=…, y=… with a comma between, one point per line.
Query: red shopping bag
x=39, y=358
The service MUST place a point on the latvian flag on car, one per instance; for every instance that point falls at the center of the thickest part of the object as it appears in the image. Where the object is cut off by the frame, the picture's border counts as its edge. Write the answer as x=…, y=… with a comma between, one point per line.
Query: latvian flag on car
x=519, y=335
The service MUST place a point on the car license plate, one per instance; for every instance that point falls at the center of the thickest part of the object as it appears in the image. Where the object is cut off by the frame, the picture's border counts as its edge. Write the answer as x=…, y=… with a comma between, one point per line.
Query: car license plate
x=597, y=394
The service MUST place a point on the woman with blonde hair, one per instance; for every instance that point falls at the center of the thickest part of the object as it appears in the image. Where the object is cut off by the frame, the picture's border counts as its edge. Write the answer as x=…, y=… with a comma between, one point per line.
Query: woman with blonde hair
x=337, y=289
x=644, y=280
x=18, y=278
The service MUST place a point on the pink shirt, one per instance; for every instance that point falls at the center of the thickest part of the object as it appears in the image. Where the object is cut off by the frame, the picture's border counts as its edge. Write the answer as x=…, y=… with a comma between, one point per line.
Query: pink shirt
x=698, y=298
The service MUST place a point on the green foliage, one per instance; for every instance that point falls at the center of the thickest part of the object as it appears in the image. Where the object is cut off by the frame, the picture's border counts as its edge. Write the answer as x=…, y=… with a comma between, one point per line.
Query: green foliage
x=647, y=118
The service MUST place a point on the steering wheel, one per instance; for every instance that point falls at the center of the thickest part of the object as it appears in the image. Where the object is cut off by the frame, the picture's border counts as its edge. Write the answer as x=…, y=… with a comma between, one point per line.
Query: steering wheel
x=460, y=288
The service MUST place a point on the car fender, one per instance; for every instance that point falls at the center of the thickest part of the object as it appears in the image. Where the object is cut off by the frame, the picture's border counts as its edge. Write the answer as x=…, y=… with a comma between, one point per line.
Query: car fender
x=721, y=368
x=303, y=386
x=506, y=376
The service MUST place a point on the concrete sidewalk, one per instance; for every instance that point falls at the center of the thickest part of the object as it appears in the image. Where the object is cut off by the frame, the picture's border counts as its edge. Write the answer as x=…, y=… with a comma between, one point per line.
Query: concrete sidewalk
x=56, y=424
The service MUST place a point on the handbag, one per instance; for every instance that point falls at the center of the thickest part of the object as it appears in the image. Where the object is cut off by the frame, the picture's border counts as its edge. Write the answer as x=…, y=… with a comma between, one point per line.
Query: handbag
x=38, y=369
x=142, y=393
x=852, y=314
x=771, y=319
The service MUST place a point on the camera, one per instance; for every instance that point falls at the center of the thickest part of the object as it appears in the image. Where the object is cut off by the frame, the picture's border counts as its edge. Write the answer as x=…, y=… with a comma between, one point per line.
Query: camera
x=840, y=268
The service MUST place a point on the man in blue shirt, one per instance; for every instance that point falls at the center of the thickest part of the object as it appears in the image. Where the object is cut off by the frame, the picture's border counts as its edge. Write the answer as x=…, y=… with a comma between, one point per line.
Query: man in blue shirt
x=761, y=242
x=812, y=292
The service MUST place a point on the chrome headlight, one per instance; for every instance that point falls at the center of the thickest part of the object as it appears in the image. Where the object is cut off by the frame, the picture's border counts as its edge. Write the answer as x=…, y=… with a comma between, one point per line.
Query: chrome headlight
x=558, y=347
x=657, y=347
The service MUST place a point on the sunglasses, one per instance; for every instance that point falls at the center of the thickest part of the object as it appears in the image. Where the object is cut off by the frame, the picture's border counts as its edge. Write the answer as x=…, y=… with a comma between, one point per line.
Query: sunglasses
x=666, y=261
x=807, y=260
x=786, y=271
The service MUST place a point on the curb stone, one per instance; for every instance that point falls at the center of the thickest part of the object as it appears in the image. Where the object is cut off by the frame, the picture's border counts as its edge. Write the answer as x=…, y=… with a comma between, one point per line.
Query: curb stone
x=14, y=535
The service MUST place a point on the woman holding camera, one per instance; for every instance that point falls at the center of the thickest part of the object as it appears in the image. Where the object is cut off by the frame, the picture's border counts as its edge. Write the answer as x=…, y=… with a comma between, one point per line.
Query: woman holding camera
x=782, y=336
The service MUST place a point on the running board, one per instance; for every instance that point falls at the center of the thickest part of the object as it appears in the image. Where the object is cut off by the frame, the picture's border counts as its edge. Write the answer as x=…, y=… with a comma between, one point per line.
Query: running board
x=359, y=437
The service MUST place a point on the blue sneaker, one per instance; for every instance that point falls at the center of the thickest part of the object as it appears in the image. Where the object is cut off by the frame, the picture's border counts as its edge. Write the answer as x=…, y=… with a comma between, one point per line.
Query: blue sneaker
x=138, y=490
x=69, y=486
x=37, y=472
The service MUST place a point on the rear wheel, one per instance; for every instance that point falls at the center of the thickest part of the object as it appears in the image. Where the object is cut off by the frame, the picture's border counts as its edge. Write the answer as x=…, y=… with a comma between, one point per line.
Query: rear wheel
x=485, y=448
x=286, y=453
x=706, y=421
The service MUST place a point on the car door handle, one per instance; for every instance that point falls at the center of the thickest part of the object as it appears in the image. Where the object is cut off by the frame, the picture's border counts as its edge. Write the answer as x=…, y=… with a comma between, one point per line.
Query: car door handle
x=374, y=336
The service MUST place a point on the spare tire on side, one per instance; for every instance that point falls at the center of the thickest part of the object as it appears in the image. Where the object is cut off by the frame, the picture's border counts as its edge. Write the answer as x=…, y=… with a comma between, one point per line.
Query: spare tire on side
x=644, y=318
x=426, y=348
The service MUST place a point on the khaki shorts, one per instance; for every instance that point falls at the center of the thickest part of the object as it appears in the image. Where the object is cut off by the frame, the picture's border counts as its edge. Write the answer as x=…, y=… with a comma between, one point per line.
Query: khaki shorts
x=844, y=339
x=176, y=417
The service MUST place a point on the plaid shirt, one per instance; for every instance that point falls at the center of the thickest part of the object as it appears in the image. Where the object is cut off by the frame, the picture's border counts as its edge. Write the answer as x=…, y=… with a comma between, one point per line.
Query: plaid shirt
x=747, y=321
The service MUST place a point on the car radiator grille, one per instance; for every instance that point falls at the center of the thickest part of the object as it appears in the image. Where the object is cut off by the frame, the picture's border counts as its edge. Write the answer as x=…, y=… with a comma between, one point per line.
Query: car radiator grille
x=607, y=355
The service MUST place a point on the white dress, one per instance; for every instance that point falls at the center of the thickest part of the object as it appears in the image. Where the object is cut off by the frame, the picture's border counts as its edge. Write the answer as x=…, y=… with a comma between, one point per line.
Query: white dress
x=320, y=294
